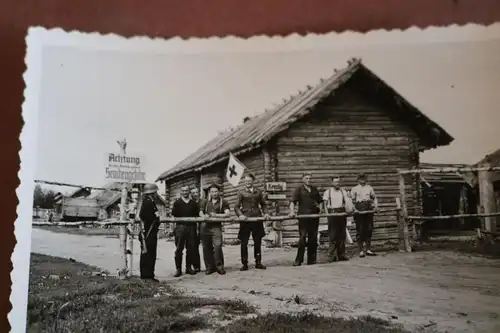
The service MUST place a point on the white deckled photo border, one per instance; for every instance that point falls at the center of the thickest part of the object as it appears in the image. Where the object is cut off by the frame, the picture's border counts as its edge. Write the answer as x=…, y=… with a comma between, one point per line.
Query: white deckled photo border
x=37, y=37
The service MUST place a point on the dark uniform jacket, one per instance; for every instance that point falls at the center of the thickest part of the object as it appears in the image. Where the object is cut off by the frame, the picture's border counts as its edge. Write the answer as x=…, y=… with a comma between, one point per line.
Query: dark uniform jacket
x=149, y=214
x=308, y=200
x=249, y=203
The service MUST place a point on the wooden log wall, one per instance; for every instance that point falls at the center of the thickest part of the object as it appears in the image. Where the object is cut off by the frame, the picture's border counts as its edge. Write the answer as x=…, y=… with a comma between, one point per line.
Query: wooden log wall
x=344, y=136
x=254, y=162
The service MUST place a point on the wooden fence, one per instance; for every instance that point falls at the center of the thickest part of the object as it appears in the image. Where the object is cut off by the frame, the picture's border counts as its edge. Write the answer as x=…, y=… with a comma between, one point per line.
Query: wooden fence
x=403, y=219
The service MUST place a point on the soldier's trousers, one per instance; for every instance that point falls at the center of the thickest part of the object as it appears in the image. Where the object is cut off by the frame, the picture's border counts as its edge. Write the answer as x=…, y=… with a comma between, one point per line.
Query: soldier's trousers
x=185, y=235
x=148, y=259
x=211, y=239
x=364, y=224
x=257, y=232
x=196, y=255
x=308, y=234
x=337, y=234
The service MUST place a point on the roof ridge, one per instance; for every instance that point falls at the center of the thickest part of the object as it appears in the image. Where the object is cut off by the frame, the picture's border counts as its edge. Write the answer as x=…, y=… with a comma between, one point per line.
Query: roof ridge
x=262, y=127
x=224, y=136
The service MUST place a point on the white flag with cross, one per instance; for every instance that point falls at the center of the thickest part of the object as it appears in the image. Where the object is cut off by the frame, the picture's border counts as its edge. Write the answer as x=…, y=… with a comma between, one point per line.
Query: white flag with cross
x=234, y=171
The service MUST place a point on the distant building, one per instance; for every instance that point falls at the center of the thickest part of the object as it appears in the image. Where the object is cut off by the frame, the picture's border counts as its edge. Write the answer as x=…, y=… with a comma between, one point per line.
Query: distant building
x=87, y=204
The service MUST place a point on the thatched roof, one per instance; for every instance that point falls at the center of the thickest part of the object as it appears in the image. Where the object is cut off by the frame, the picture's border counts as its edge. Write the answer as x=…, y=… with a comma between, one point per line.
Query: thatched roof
x=256, y=131
x=492, y=159
x=111, y=196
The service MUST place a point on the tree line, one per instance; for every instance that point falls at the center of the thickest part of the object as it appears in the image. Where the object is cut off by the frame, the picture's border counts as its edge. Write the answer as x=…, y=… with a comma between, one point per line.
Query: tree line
x=43, y=198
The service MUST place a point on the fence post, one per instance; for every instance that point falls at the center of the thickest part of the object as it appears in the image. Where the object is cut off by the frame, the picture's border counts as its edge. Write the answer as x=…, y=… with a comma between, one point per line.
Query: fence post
x=404, y=214
x=400, y=225
x=123, y=228
x=130, y=249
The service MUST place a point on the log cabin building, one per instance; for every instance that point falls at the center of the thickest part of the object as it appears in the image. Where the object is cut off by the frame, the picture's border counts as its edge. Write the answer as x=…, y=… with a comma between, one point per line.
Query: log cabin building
x=349, y=123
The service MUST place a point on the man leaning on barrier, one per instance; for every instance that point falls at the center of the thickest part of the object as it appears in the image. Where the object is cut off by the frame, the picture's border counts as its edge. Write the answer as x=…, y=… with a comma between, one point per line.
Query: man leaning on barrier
x=364, y=199
x=310, y=202
x=211, y=232
x=185, y=232
x=148, y=236
x=251, y=203
x=336, y=200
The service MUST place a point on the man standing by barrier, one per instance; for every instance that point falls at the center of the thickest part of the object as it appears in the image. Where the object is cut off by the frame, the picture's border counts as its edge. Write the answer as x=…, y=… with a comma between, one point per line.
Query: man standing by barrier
x=211, y=232
x=364, y=199
x=309, y=201
x=251, y=203
x=148, y=236
x=185, y=232
x=337, y=201
x=195, y=196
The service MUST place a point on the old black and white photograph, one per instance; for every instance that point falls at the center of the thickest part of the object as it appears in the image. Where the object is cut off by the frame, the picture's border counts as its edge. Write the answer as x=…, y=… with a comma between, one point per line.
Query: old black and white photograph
x=321, y=183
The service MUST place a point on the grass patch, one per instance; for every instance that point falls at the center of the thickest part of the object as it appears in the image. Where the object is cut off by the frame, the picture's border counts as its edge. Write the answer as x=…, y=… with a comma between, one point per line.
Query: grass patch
x=85, y=303
x=307, y=323
x=106, y=304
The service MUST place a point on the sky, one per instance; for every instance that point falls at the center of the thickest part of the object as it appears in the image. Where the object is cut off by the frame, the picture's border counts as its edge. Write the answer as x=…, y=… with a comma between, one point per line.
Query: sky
x=167, y=103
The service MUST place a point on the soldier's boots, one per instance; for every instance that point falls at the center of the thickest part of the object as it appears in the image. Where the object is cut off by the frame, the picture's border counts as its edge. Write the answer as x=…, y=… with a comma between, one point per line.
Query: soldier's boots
x=244, y=266
x=259, y=265
x=178, y=266
x=190, y=271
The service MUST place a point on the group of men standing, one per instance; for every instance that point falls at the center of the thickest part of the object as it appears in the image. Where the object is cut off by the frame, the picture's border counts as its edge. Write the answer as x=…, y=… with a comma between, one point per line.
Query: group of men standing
x=360, y=201
x=188, y=235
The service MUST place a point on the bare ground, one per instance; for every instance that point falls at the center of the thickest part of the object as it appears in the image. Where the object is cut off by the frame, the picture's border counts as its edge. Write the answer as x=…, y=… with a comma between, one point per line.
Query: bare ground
x=435, y=290
x=425, y=291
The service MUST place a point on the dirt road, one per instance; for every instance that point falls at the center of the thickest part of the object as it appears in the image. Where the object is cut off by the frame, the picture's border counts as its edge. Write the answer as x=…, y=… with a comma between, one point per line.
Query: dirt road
x=431, y=290
x=434, y=291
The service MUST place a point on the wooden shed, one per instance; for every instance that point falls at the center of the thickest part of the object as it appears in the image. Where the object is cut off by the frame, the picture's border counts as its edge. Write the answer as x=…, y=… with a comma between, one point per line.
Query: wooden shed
x=349, y=123
x=448, y=194
x=488, y=184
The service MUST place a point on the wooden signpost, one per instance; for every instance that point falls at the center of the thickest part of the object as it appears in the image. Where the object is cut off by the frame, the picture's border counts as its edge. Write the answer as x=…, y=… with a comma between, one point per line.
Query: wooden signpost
x=125, y=169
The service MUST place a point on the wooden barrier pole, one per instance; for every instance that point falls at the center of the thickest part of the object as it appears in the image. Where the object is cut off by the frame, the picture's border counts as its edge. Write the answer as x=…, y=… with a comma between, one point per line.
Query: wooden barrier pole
x=123, y=228
x=404, y=213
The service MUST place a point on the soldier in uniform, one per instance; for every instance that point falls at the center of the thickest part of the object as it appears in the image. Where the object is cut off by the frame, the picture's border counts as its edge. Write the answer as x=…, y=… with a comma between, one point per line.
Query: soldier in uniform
x=251, y=203
x=195, y=196
x=310, y=202
x=364, y=199
x=149, y=215
x=185, y=232
x=211, y=232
